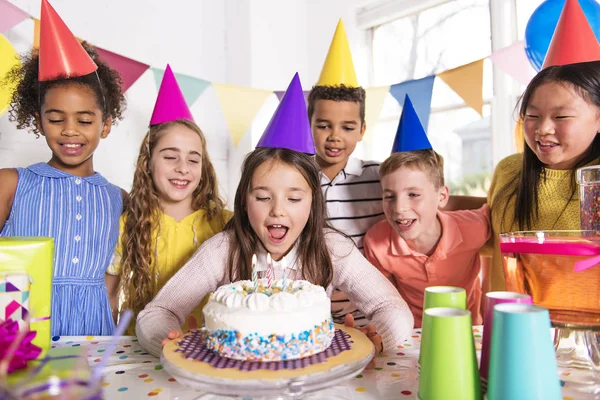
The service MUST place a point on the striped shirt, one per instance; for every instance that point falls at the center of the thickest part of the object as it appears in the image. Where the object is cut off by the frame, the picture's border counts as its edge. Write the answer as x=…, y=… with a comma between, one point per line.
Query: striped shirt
x=353, y=206
x=82, y=215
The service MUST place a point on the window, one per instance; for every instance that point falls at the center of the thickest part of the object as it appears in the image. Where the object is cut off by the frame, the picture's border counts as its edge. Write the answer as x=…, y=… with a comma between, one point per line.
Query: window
x=424, y=43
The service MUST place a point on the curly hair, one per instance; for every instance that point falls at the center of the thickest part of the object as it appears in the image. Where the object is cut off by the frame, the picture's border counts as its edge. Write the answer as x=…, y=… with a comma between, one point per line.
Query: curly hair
x=28, y=97
x=337, y=93
x=142, y=215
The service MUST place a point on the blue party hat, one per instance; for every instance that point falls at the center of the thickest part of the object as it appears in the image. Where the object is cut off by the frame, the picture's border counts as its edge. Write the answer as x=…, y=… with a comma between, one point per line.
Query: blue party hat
x=410, y=135
x=289, y=127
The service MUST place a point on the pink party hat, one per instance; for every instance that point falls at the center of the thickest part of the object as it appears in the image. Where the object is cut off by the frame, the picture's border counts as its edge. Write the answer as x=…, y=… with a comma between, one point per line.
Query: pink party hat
x=289, y=127
x=170, y=103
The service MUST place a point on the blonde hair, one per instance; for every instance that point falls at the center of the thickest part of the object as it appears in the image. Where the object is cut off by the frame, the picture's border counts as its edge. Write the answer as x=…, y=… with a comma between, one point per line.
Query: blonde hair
x=427, y=161
x=142, y=215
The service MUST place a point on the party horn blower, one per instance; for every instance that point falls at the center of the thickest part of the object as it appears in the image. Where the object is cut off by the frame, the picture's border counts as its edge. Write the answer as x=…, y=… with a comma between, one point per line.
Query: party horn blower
x=448, y=360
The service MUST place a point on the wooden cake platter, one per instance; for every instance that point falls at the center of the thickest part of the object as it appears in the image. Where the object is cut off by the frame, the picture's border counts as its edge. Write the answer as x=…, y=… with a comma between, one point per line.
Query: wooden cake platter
x=289, y=383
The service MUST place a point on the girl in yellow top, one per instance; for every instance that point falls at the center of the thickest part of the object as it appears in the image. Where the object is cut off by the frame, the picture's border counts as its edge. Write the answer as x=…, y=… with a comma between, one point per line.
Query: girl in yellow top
x=536, y=189
x=174, y=206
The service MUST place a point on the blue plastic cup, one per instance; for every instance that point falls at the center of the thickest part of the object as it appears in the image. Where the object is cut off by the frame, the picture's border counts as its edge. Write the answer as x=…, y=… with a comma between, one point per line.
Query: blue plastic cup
x=522, y=359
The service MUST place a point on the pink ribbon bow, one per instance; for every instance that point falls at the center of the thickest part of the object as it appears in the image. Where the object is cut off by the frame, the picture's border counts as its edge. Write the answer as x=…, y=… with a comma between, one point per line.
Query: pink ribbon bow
x=9, y=331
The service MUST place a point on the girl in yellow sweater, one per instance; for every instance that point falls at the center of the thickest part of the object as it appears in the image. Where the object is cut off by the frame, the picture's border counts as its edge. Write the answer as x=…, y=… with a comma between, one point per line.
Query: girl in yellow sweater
x=536, y=189
x=174, y=204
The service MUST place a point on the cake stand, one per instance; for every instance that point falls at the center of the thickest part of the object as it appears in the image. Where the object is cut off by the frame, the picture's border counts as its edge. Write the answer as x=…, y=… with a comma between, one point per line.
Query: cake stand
x=283, y=384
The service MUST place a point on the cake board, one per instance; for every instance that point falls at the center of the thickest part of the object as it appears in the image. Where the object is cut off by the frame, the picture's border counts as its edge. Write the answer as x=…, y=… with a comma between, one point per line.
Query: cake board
x=284, y=384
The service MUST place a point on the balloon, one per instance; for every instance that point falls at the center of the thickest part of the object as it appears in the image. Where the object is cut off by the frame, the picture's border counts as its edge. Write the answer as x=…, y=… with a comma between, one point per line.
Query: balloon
x=542, y=23
x=8, y=59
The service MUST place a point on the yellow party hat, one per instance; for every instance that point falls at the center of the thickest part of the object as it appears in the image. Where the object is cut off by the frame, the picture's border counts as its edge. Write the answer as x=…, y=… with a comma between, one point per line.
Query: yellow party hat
x=338, y=68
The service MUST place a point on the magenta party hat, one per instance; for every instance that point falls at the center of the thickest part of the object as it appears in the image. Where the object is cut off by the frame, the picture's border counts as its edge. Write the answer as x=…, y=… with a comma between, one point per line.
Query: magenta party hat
x=289, y=127
x=170, y=103
x=410, y=135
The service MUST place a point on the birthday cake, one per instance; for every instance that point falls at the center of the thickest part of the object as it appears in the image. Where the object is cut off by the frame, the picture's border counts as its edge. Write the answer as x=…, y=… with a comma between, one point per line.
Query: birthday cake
x=248, y=321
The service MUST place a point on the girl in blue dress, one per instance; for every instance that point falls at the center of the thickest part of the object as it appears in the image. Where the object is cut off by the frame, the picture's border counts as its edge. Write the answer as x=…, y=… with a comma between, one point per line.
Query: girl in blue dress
x=73, y=104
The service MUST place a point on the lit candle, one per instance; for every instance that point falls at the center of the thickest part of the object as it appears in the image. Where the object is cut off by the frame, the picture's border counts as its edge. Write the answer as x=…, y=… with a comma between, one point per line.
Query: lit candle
x=254, y=273
x=284, y=266
x=269, y=270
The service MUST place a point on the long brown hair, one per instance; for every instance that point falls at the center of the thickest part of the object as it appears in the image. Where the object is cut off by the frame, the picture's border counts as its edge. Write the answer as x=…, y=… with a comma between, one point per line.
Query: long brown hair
x=585, y=78
x=313, y=253
x=142, y=216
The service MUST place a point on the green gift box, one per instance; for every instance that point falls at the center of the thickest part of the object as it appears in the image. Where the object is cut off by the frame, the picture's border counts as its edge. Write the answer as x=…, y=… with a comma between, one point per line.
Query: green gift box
x=35, y=256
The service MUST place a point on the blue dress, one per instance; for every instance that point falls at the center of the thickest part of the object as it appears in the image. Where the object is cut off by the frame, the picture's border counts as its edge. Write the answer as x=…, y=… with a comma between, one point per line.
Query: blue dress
x=82, y=215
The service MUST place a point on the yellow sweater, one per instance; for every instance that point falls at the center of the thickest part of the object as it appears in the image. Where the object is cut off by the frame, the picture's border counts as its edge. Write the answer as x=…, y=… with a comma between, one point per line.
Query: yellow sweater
x=554, y=193
x=174, y=244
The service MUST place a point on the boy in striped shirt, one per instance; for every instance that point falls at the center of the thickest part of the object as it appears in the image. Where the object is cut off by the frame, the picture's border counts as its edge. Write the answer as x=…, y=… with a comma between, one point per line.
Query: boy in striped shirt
x=352, y=189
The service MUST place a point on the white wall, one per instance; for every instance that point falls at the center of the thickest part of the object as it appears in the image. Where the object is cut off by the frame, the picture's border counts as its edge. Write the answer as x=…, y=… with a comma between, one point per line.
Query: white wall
x=256, y=43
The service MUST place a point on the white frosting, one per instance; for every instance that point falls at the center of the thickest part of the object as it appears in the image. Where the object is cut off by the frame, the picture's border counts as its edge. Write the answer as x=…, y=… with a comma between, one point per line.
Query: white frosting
x=300, y=308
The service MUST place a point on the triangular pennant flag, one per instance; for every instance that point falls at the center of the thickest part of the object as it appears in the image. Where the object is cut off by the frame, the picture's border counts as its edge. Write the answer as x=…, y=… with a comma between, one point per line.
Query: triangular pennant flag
x=375, y=97
x=338, y=67
x=239, y=106
x=574, y=40
x=36, y=33
x=130, y=70
x=513, y=60
x=2, y=286
x=11, y=15
x=420, y=91
x=410, y=135
x=289, y=127
x=467, y=82
x=170, y=104
x=8, y=59
x=25, y=296
x=191, y=87
x=280, y=93
x=61, y=54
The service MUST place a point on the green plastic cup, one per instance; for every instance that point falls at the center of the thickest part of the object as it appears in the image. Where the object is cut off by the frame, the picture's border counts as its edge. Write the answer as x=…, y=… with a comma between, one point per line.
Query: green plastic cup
x=442, y=296
x=448, y=360
x=445, y=296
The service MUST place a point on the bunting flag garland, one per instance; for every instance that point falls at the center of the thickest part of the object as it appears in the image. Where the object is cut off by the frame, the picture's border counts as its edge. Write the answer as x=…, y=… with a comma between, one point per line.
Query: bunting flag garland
x=191, y=87
x=36, y=33
x=280, y=93
x=513, y=60
x=419, y=91
x=129, y=69
x=467, y=82
x=375, y=97
x=239, y=106
x=11, y=16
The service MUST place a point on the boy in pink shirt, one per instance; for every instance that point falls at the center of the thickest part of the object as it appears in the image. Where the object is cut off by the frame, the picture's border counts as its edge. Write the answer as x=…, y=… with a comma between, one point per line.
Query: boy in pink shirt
x=418, y=245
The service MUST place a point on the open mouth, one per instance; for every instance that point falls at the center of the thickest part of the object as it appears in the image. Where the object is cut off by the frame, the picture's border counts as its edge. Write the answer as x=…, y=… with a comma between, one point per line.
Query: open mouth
x=405, y=224
x=71, y=148
x=277, y=233
x=179, y=184
x=546, y=145
x=333, y=151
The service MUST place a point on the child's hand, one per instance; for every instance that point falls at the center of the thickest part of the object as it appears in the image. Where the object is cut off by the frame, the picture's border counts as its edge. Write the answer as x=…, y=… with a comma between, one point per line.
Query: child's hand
x=371, y=333
x=192, y=324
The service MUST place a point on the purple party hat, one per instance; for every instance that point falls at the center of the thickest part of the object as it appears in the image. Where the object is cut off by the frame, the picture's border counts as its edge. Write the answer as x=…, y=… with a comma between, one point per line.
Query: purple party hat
x=289, y=127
